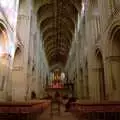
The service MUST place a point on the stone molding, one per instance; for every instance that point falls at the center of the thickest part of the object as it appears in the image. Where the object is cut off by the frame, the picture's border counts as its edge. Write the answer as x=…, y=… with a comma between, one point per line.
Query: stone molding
x=23, y=17
x=17, y=68
x=97, y=69
x=113, y=58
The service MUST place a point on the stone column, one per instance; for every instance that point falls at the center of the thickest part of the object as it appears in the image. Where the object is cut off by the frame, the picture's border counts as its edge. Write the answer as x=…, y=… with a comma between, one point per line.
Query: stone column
x=79, y=79
x=92, y=70
x=23, y=28
x=37, y=64
x=94, y=84
x=105, y=12
x=93, y=73
x=85, y=82
x=41, y=71
x=81, y=84
x=9, y=79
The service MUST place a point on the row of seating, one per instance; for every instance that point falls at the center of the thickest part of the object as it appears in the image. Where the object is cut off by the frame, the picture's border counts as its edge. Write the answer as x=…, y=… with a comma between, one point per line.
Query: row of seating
x=30, y=110
x=96, y=111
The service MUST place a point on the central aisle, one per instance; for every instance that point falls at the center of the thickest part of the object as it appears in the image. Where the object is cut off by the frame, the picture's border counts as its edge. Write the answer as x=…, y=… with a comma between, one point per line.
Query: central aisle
x=63, y=116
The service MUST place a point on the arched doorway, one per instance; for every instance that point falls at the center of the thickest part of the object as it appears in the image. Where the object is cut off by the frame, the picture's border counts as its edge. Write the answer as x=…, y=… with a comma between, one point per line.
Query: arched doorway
x=101, y=77
x=114, y=61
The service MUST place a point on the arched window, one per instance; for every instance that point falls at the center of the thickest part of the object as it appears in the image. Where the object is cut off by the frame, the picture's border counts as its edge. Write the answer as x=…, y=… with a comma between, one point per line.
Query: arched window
x=3, y=40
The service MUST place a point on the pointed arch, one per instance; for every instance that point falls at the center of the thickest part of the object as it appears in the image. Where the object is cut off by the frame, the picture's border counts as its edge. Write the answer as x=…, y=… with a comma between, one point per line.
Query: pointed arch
x=113, y=57
x=4, y=40
x=100, y=72
x=17, y=61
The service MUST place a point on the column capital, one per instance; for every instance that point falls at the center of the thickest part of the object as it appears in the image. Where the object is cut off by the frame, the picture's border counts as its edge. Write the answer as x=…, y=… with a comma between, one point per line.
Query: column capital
x=23, y=17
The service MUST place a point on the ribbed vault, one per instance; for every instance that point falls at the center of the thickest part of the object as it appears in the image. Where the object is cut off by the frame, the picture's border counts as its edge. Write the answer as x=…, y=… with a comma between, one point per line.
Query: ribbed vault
x=57, y=19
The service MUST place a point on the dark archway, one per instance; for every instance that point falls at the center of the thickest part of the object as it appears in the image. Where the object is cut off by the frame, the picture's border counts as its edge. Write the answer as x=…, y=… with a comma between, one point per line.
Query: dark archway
x=113, y=59
x=101, y=77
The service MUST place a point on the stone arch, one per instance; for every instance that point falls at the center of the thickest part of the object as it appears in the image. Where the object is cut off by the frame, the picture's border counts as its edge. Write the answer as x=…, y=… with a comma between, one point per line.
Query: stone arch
x=4, y=38
x=17, y=57
x=113, y=58
x=100, y=73
x=113, y=27
x=4, y=59
x=55, y=26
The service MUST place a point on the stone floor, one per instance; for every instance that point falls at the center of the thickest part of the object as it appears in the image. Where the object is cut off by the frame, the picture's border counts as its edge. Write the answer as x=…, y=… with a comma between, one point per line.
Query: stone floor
x=63, y=115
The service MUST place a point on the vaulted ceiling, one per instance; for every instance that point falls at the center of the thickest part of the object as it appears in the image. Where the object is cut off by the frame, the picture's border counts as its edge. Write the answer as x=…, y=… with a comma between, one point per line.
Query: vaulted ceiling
x=57, y=19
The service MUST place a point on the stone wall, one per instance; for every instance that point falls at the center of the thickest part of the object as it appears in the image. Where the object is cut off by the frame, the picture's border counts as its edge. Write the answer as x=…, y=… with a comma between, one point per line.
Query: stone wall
x=99, y=38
